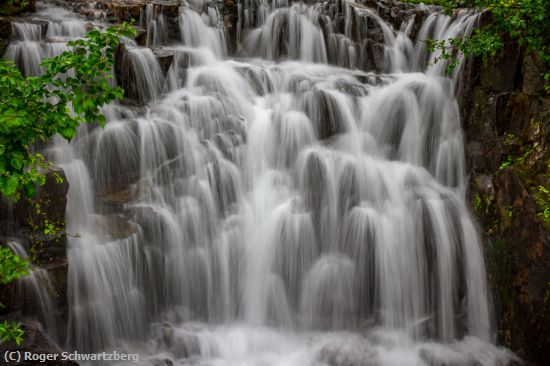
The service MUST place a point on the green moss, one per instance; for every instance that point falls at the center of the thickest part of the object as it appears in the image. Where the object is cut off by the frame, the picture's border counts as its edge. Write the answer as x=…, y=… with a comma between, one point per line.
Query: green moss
x=13, y=7
x=542, y=197
x=477, y=203
x=506, y=163
x=532, y=164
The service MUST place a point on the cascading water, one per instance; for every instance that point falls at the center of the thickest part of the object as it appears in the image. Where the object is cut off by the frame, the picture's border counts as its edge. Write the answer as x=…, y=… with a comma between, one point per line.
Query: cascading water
x=275, y=209
x=37, y=290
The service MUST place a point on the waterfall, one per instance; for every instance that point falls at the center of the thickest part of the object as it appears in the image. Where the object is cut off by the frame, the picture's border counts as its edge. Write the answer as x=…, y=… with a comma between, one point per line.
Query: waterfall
x=300, y=203
x=37, y=290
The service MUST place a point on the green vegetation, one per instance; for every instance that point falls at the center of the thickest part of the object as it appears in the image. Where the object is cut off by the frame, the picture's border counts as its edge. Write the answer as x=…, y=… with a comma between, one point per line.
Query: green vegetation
x=533, y=167
x=11, y=332
x=524, y=21
x=11, y=266
x=506, y=163
x=12, y=7
x=71, y=91
x=477, y=203
x=543, y=201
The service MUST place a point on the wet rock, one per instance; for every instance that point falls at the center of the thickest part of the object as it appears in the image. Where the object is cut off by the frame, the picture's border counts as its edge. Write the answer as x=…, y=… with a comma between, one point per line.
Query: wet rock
x=373, y=57
x=128, y=69
x=323, y=110
x=455, y=356
x=357, y=352
x=533, y=68
x=120, y=197
x=49, y=249
x=5, y=33
x=141, y=37
x=419, y=18
x=508, y=138
x=165, y=58
x=35, y=341
x=180, y=342
x=124, y=74
x=503, y=72
x=116, y=227
x=6, y=30
x=124, y=12
x=169, y=11
x=28, y=218
x=229, y=12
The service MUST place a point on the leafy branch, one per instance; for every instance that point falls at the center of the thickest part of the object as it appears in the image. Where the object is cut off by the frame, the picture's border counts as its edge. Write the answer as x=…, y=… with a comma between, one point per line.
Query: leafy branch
x=525, y=21
x=71, y=90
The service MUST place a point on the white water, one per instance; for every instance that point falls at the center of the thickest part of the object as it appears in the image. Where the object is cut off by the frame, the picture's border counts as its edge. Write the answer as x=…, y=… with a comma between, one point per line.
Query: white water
x=37, y=290
x=277, y=210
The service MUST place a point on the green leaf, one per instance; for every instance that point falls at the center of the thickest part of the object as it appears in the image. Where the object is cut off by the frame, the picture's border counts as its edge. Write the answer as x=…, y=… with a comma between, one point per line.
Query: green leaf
x=16, y=163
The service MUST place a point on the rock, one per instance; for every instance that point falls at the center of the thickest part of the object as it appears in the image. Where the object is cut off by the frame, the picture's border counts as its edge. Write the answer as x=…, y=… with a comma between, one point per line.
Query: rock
x=6, y=30
x=533, y=68
x=503, y=72
x=455, y=355
x=124, y=74
x=141, y=38
x=49, y=250
x=180, y=342
x=229, y=11
x=124, y=12
x=35, y=342
x=24, y=221
x=323, y=110
x=373, y=56
x=5, y=33
x=352, y=352
x=165, y=58
x=120, y=197
x=116, y=227
x=507, y=130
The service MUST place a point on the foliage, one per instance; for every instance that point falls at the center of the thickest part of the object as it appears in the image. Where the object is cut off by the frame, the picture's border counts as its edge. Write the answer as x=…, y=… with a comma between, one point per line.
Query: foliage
x=477, y=202
x=525, y=21
x=11, y=266
x=71, y=90
x=543, y=200
x=506, y=163
x=11, y=331
x=12, y=7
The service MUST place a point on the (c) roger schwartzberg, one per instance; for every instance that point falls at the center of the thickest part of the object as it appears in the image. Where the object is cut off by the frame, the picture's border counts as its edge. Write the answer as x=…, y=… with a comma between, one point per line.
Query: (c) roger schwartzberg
x=75, y=356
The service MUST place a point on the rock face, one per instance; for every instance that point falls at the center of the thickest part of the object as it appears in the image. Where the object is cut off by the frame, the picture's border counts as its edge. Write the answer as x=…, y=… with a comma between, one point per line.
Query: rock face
x=23, y=222
x=506, y=118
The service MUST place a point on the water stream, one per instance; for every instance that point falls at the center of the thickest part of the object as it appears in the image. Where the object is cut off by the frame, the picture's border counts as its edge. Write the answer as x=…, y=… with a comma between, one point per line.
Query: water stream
x=287, y=204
